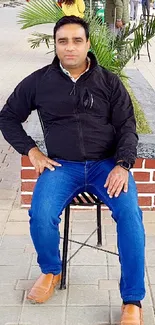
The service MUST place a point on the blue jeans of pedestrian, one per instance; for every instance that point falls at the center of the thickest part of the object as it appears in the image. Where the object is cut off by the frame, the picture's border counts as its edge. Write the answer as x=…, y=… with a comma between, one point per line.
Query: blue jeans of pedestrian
x=54, y=191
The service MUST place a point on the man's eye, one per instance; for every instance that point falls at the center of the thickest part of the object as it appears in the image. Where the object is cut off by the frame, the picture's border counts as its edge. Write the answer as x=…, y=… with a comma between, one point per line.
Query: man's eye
x=78, y=40
x=62, y=42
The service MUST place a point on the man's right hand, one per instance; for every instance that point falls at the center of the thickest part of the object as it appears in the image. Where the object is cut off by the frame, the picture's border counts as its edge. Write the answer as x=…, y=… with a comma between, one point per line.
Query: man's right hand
x=40, y=161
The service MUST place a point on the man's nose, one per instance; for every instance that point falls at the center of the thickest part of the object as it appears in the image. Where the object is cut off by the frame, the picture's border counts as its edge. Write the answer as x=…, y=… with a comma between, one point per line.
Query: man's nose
x=70, y=47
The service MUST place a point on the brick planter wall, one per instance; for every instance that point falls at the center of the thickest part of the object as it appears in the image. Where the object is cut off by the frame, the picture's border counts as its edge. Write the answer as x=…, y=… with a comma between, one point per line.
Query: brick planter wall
x=143, y=172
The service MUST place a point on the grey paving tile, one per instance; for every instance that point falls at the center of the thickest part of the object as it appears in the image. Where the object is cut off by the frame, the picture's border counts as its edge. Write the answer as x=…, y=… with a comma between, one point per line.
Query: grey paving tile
x=19, y=215
x=150, y=258
x=14, y=257
x=15, y=242
x=150, y=242
x=86, y=295
x=9, y=315
x=96, y=315
x=114, y=272
x=83, y=227
x=82, y=215
x=39, y=315
x=4, y=215
x=153, y=293
x=89, y=256
x=83, y=237
x=113, y=260
x=34, y=272
x=111, y=239
x=10, y=274
x=108, y=284
x=87, y=274
x=110, y=229
x=151, y=274
x=6, y=204
x=9, y=296
x=115, y=298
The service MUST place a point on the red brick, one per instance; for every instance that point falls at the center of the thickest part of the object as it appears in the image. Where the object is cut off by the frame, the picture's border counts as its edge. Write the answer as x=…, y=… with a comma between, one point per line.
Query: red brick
x=29, y=174
x=146, y=188
x=150, y=163
x=27, y=186
x=138, y=163
x=154, y=176
x=25, y=161
x=145, y=201
x=141, y=176
x=26, y=199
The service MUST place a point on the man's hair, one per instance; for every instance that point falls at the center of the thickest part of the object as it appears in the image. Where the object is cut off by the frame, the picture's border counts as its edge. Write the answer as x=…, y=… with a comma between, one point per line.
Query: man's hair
x=72, y=20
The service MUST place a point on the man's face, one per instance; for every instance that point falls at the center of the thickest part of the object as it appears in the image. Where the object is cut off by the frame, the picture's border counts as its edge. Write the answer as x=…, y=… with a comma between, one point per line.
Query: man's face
x=71, y=45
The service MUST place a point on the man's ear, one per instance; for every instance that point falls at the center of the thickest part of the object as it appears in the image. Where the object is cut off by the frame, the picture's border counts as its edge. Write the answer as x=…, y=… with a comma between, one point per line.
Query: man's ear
x=88, y=44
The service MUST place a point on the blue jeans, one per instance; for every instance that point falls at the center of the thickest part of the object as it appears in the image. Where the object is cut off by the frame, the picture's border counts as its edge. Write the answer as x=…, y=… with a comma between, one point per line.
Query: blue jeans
x=52, y=193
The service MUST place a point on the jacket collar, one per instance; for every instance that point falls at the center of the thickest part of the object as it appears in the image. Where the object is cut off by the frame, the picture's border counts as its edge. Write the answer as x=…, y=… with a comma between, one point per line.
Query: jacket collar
x=93, y=62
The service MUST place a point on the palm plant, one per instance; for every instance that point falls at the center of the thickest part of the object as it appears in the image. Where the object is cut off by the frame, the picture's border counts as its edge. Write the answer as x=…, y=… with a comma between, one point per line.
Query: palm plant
x=111, y=53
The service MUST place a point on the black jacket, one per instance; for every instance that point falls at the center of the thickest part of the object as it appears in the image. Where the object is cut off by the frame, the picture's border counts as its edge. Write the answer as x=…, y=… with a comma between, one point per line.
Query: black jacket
x=91, y=119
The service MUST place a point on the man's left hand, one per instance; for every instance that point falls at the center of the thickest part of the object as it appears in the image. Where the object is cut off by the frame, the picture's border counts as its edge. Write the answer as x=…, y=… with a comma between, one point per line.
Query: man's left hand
x=117, y=181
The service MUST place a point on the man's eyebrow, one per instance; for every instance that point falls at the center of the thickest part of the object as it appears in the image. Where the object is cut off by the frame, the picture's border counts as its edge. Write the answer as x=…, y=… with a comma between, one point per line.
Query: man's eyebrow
x=66, y=38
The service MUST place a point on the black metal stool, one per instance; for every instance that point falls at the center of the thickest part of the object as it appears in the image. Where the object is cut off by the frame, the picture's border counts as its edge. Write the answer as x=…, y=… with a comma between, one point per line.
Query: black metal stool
x=83, y=199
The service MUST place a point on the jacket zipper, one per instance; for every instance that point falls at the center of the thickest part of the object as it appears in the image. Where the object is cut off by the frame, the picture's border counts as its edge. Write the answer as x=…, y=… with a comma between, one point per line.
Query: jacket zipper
x=73, y=92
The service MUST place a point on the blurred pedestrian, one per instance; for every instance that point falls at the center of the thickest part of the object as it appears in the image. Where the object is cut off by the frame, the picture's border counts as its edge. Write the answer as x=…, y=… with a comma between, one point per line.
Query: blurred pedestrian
x=117, y=15
x=73, y=7
x=133, y=9
x=146, y=8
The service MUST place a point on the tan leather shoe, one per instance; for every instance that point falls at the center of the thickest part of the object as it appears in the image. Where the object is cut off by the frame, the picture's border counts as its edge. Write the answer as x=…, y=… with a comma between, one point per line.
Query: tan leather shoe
x=131, y=315
x=43, y=288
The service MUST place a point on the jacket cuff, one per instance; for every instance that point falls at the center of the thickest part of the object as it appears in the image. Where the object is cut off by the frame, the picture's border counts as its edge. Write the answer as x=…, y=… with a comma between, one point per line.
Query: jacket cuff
x=29, y=147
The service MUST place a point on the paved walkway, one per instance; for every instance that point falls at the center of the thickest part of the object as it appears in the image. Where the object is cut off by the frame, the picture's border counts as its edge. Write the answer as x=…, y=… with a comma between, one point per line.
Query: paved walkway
x=92, y=295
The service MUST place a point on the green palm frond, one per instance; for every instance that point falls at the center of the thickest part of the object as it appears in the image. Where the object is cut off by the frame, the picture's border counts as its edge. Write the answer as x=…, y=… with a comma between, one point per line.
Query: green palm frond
x=113, y=54
x=38, y=12
x=133, y=39
x=41, y=38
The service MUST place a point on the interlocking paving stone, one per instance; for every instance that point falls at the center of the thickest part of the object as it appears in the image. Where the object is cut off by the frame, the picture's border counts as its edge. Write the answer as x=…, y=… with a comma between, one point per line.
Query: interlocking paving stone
x=4, y=215
x=9, y=315
x=87, y=315
x=19, y=215
x=87, y=274
x=114, y=272
x=115, y=298
x=151, y=274
x=89, y=256
x=14, y=257
x=150, y=242
x=39, y=315
x=17, y=228
x=108, y=284
x=86, y=295
x=10, y=296
x=10, y=274
x=15, y=242
x=150, y=258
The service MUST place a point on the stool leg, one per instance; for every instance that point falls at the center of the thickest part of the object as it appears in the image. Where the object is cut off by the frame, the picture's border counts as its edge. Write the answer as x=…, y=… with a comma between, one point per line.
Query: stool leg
x=99, y=226
x=65, y=248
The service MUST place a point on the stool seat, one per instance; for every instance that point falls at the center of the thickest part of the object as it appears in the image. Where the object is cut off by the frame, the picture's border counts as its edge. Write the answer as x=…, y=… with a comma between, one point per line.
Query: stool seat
x=86, y=198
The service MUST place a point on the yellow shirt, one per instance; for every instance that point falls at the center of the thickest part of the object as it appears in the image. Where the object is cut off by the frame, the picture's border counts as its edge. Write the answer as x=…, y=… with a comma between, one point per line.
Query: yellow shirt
x=76, y=9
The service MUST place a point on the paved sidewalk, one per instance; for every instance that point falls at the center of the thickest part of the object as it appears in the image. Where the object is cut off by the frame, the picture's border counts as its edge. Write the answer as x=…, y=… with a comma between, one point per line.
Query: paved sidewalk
x=92, y=295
